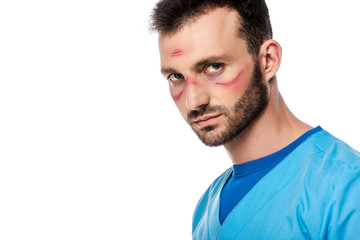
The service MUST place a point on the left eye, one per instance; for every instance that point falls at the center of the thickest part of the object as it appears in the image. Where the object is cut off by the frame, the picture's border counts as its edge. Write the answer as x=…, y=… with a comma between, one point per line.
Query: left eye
x=214, y=68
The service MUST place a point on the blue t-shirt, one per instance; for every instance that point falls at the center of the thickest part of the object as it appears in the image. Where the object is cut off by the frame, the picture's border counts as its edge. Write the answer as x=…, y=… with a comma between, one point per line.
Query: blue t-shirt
x=246, y=175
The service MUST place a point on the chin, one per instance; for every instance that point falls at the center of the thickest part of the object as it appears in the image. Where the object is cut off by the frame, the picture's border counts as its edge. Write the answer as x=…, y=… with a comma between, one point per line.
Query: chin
x=212, y=136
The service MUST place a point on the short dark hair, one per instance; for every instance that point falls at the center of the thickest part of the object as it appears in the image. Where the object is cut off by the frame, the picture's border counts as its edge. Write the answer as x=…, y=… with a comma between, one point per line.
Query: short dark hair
x=169, y=16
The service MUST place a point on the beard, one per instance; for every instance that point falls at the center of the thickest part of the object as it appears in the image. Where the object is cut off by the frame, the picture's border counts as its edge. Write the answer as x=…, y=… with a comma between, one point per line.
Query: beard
x=245, y=111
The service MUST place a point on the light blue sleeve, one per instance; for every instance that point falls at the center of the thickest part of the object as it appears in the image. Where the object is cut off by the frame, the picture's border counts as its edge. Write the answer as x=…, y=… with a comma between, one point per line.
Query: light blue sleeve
x=345, y=206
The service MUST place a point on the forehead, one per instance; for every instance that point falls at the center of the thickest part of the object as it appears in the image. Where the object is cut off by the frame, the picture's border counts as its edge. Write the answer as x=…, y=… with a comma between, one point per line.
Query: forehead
x=211, y=32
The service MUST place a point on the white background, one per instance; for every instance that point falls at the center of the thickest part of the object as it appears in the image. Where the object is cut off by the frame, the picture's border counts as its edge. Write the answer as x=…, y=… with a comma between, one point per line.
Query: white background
x=91, y=145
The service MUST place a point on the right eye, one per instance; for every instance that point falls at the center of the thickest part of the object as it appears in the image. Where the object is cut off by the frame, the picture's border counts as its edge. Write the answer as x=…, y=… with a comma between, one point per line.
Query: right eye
x=175, y=78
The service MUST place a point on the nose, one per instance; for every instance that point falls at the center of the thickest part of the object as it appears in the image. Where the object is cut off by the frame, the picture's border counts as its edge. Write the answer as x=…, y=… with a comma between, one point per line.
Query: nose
x=196, y=96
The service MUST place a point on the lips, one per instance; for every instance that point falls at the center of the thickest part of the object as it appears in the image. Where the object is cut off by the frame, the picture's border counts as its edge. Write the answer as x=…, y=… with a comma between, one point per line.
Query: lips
x=206, y=120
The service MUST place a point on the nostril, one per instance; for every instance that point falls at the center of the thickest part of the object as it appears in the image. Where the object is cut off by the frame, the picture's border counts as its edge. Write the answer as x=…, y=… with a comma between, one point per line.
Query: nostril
x=194, y=107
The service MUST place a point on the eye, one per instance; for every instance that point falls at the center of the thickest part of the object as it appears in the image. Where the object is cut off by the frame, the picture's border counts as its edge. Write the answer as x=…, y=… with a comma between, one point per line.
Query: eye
x=215, y=68
x=175, y=78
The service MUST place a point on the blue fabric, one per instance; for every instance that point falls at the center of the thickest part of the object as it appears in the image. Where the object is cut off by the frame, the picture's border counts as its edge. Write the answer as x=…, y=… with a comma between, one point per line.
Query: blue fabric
x=246, y=175
x=311, y=194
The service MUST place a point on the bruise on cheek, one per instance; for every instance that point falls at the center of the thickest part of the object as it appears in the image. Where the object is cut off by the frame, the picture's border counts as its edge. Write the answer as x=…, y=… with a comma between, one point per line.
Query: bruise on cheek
x=233, y=81
x=176, y=97
x=177, y=52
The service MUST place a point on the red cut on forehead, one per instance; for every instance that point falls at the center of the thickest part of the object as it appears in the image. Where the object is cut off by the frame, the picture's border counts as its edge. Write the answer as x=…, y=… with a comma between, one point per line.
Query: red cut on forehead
x=177, y=52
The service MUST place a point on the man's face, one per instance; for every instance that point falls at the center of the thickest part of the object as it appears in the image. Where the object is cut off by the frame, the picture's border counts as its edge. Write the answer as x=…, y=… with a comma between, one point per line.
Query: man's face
x=213, y=80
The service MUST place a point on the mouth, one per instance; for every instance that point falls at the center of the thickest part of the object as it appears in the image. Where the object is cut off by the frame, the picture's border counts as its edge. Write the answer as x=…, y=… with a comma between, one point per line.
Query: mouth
x=206, y=120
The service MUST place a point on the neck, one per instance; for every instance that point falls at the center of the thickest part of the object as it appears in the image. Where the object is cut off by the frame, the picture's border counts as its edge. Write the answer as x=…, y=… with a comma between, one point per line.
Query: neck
x=276, y=128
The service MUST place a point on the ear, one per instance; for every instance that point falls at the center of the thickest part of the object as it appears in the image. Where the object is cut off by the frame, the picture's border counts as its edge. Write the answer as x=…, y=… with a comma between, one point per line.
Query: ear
x=270, y=59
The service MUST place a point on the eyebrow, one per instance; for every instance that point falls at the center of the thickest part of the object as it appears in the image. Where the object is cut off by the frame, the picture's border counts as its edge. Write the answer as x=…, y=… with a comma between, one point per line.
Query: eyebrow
x=166, y=71
x=199, y=65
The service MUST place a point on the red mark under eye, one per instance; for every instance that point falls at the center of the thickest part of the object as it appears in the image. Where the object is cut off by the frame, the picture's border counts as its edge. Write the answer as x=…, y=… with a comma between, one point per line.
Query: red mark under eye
x=177, y=52
x=177, y=97
x=232, y=82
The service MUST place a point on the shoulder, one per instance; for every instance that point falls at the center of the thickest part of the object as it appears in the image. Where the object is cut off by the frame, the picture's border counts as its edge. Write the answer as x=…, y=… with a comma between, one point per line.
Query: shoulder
x=217, y=184
x=207, y=199
x=333, y=164
x=339, y=166
x=334, y=152
x=214, y=188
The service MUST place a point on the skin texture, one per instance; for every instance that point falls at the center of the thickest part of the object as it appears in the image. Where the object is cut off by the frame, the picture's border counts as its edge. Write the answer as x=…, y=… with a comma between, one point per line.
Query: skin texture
x=225, y=94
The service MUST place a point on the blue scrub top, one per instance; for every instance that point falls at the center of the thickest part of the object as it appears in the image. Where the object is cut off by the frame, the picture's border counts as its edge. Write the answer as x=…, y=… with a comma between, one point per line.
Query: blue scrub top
x=314, y=193
x=246, y=175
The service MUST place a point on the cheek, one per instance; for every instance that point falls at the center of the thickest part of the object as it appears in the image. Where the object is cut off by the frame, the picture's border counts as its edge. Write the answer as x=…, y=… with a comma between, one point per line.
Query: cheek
x=231, y=82
x=237, y=84
x=180, y=102
x=176, y=96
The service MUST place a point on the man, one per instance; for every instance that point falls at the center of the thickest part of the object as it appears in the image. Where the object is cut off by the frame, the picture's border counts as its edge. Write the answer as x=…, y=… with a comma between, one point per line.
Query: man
x=288, y=180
